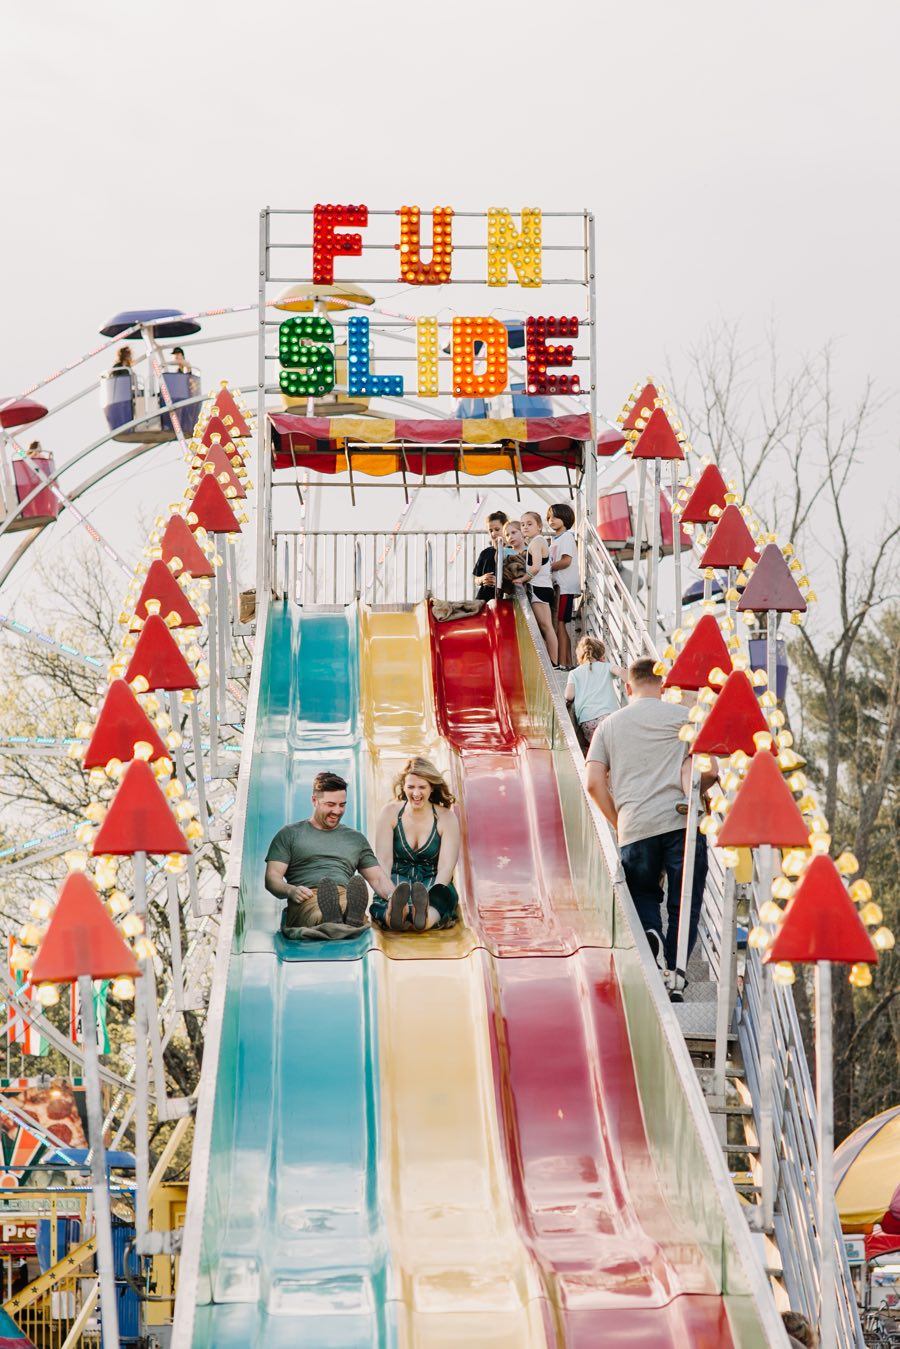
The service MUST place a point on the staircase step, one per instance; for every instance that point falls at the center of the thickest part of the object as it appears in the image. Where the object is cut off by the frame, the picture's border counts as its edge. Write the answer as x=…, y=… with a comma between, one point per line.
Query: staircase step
x=696, y=1019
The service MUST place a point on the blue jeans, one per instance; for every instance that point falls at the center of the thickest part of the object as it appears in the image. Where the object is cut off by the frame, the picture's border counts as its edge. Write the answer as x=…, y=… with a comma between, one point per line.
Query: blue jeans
x=644, y=862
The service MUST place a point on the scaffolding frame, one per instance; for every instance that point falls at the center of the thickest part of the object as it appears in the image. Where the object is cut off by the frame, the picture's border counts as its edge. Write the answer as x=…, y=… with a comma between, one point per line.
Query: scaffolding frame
x=574, y=237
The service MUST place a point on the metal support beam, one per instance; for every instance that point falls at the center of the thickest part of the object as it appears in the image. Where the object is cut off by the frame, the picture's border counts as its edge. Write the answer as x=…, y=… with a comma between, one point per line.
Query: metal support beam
x=825, y=1099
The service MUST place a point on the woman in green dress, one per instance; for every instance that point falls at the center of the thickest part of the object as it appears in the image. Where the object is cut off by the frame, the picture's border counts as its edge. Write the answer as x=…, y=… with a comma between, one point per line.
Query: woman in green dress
x=417, y=843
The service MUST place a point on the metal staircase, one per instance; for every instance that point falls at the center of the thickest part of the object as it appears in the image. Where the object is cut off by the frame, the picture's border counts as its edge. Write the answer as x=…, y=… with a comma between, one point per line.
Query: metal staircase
x=721, y=1019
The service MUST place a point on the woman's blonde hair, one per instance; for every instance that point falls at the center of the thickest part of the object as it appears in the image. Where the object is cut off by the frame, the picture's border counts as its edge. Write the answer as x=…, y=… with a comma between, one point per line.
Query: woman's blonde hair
x=590, y=648
x=441, y=794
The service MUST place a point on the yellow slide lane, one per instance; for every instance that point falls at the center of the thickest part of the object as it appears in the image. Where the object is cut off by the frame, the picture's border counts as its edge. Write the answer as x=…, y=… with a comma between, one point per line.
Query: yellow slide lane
x=462, y=1274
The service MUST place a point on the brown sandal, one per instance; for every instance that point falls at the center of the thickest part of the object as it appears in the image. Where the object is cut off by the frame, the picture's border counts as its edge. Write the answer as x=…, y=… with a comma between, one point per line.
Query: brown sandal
x=397, y=907
x=420, y=905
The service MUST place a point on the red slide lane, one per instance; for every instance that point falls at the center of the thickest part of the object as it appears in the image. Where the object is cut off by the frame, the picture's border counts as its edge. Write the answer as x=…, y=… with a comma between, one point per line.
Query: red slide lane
x=509, y=791
x=617, y=1270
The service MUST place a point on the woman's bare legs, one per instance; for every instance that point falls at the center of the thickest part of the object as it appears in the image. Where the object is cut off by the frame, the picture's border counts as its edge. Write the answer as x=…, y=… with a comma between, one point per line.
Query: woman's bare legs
x=544, y=618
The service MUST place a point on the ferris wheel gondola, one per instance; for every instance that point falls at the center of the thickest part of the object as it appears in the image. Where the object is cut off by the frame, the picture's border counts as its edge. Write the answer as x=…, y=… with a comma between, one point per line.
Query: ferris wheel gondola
x=21, y=475
x=127, y=399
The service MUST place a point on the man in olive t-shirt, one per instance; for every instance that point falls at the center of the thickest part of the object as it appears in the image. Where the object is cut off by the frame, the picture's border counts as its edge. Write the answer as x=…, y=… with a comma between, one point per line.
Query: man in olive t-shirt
x=313, y=864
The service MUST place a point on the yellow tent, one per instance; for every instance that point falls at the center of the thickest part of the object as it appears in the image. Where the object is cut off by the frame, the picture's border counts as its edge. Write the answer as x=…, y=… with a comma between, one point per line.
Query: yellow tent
x=867, y=1170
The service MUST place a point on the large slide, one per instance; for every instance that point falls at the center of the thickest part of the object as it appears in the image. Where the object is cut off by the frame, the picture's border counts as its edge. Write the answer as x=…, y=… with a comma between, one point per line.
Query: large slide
x=473, y=1137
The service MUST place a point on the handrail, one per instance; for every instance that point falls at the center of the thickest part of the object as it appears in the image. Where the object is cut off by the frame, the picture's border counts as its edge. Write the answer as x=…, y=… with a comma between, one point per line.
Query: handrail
x=613, y=612
x=74, y=1258
x=687, y=1077
x=327, y=567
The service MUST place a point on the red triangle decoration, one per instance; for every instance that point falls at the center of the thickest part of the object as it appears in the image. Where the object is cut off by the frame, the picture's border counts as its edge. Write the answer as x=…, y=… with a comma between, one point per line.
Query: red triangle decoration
x=645, y=399
x=658, y=439
x=217, y=433
x=821, y=922
x=702, y=652
x=709, y=490
x=220, y=462
x=212, y=508
x=178, y=541
x=81, y=939
x=763, y=811
x=772, y=585
x=731, y=543
x=139, y=818
x=158, y=657
x=226, y=406
x=160, y=584
x=121, y=723
x=733, y=719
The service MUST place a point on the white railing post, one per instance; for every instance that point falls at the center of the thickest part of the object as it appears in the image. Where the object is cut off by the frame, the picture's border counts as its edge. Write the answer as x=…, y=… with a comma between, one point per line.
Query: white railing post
x=676, y=542
x=825, y=1094
x=429, y=569
x=639, y=530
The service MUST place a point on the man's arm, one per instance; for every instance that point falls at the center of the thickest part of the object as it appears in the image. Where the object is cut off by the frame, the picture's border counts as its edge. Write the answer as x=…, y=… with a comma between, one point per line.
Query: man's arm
x=384, y=837
x=709, y=778
x=598, y=790
x=380, y=882
x=277, y=885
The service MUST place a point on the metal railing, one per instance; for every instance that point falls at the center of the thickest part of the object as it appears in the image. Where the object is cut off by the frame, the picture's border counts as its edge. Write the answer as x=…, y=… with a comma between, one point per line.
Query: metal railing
x=610, y=611
x=376, y=566
x=54, y=1320
x=685, y=1148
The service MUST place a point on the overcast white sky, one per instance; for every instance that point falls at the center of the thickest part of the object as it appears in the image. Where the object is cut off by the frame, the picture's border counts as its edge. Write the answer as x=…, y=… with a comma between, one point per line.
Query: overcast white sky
x=742, y=161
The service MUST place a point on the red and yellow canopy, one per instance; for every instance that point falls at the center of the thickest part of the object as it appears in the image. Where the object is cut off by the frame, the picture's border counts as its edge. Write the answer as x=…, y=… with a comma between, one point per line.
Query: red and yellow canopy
x=378, y=446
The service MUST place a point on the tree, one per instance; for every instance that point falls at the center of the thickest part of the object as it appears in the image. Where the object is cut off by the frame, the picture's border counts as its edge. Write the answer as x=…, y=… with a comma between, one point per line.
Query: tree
x=48, y=693
x=795, y=450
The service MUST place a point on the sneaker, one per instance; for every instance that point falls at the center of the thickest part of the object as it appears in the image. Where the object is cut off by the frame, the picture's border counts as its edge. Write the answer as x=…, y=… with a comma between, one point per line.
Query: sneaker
x=655, y=942
x=398, y=906
x=419, y=897
x=329, y=901
x=357, y=902
x=677, y=985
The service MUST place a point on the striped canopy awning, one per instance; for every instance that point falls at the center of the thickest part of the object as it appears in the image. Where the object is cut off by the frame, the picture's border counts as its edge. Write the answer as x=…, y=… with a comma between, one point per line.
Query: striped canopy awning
x=867, y=1171
x=378, y=446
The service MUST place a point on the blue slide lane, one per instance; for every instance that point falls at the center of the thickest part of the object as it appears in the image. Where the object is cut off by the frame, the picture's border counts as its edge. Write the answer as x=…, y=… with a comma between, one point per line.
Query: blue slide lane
x=294, y=1248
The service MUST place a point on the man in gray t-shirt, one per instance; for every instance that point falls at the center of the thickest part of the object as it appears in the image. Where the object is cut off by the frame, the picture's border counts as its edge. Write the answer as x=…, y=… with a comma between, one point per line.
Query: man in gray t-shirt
x=313, y=865
x=634, y=768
